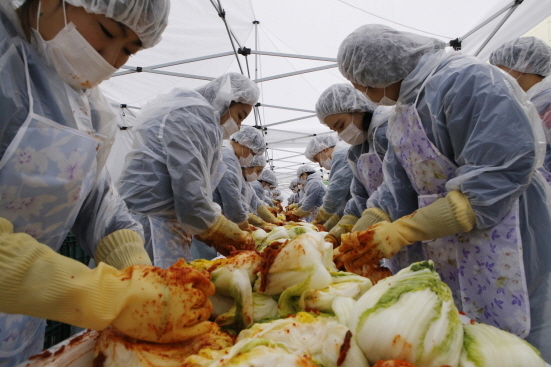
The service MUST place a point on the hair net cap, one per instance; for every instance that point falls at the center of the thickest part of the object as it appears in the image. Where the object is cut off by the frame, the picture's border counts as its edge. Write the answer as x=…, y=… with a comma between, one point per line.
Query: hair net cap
x=148, y=18
x=228, y=88
x=319, y=143
x=259, y=160
x=293, y=184
x=526, y=54
x=342, y=98
x=276, y=192
x=268, y=176
x=251, y=138
x=377, y=56
x=305, y=168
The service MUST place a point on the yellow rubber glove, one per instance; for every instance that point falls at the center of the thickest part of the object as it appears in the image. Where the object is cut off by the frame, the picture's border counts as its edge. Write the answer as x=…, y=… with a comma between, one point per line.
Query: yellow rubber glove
x=300, y=213
x=141, y=301
x=369, y=217
x=122, y=248
x=256, y=221
x=332, y=222
x=344, y=226
x=225, y=236
x=244, y=226
x=292, y=206
x=321, y=217
x=449, y=215
x=266, y=215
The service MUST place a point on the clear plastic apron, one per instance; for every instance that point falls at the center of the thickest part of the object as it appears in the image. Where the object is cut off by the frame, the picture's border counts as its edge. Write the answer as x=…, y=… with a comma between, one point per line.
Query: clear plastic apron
x=483, y=268
x=370, y=166
x=45, y=175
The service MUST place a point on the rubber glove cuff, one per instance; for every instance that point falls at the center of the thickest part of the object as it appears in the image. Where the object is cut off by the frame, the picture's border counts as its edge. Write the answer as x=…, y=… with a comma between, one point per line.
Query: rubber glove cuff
x=343, y=226
x=301, y=213
x=5, y=226
x=322, y=216
x=332, y=222
x=121, y=249
x=266, y=215
x=369, y=217
x=256, y=221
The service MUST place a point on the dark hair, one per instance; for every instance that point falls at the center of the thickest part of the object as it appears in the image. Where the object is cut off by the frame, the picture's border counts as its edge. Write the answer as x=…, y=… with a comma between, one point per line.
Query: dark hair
x=366, y=120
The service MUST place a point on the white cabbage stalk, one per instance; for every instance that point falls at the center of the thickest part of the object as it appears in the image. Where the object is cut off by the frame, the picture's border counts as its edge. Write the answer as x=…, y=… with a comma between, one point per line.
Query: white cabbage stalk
x=220, y=304
x=343, y=285
x=409, y=316
x=485, y=346
x=323, y=337
x=258, y=236
x=252, y=353
x=234, y=277
x=299, y=266
x=264, y=307
x=343, y=307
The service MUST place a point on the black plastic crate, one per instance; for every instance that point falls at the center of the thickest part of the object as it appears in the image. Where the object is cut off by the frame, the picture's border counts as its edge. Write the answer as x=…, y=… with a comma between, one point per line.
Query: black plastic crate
x=56, y=331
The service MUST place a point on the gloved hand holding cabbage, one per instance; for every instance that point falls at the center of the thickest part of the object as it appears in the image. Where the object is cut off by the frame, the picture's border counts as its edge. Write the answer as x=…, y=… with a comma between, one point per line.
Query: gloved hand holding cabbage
x=449, y=215
x=225, y=236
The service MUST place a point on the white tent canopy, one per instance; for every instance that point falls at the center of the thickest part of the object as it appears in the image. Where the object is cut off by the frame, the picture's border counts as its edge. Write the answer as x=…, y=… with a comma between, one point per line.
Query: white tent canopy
x=293, y=46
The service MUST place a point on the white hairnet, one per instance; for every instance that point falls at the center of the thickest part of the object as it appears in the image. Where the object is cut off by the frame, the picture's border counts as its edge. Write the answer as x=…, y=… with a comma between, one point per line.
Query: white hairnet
x=526, y=54
x=319, y=143
x=259, y=160
x=377, y=56
x=148, y=18
x=305, y=168
x=276, y=192
x=251, y=138
x=268, y=176
x=293, y=184
x=342, y=98
x=228, y=88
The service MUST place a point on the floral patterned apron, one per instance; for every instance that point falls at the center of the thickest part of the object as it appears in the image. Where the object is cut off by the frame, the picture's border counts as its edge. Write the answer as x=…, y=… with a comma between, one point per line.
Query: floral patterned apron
x=45, y=175
x=483, y=268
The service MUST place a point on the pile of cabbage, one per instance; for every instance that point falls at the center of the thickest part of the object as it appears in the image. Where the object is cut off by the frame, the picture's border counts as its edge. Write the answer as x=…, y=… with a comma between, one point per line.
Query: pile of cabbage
x=304, y=312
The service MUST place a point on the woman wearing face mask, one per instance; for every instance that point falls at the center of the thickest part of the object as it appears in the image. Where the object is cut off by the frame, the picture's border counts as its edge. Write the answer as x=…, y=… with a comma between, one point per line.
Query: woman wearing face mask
x=293, y=186
x=263, y=185
x=460, y=174
x=528, y=60
x=57, y=130
x=314, y=191
x=346, y=111
x=331, y=155
x=259, y=215
x=173, y=167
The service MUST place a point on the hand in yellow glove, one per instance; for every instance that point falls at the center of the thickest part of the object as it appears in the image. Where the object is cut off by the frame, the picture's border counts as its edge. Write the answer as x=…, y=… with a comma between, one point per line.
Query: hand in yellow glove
x=332, y=222
x=446, y=216
x=292, y=206
x=267, y=216
x=244, y=226
x=299, y=212
x=256, y=221
x=369, y=217
x=225, y=236
x=322, y=216
x=122, y=248
x=344, y=226
x=142, y=301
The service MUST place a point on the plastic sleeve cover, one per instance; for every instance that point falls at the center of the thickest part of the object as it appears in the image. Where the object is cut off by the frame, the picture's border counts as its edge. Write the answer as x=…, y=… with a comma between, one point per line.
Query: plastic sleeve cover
x=313, y=197
x=228, y=192
x=338, y=190
x=102, y=213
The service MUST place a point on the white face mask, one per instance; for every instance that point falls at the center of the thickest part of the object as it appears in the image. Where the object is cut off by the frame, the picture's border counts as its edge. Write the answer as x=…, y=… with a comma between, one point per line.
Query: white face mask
x=385, y=101
x=252, y=177
x=327, y=162
x=352, y=135
x=72, y=57
x=245, y=162
x=229, y=128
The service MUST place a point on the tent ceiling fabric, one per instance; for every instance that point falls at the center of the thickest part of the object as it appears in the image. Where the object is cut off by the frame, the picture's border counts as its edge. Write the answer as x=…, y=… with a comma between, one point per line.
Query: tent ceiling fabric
x=306, y=27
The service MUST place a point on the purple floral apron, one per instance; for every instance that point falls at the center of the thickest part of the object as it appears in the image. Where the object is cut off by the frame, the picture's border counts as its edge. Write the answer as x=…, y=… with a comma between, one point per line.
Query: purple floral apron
x=483, y=268
x=45, y=175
